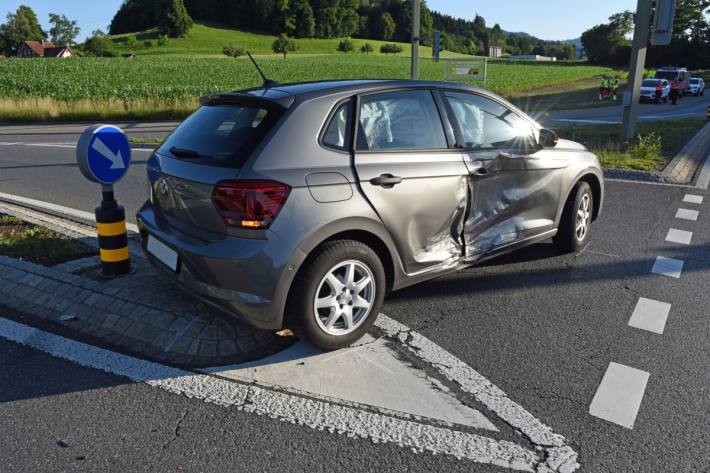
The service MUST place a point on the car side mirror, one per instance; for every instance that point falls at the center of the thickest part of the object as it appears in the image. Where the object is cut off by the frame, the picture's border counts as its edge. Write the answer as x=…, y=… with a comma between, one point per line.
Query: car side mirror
x=548, y=138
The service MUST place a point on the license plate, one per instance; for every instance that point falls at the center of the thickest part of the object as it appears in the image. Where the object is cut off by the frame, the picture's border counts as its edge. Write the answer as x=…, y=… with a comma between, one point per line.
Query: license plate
x=164, y=254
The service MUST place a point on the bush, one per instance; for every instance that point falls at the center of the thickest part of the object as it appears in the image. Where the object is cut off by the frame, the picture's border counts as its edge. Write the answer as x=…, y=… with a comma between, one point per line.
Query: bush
x=163, y=40
x=100, y=46
x=131, y=41
x=390, y=48
x=346, y=46
x=147, y=44
x=647, y=148
x=366, y=48
x=234, y=51
x=283, y=45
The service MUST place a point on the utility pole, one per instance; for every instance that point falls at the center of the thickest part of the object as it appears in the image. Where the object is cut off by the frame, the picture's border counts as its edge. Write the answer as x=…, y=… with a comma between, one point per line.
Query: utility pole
x=642, y=27
x=416, y=14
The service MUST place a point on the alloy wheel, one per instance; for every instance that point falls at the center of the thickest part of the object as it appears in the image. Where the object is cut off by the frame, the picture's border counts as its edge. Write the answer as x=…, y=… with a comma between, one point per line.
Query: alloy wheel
x=344, y=298
x=584, y=216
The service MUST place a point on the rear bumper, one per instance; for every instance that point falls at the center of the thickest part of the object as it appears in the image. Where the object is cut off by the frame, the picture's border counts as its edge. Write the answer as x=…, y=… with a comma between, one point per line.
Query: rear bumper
x=247, y=278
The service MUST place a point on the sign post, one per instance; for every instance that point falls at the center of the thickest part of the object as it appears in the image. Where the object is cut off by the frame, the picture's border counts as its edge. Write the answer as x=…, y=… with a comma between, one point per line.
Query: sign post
x=104, y=155
x=415, y=38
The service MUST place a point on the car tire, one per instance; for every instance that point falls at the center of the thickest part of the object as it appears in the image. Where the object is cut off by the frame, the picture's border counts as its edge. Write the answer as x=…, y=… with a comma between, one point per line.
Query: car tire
x=325, y=278
x=579, y=209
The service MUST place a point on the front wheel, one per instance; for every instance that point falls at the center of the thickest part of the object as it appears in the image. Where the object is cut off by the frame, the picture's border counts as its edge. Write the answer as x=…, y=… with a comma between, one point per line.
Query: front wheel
x=575, y=225
x=337, y=296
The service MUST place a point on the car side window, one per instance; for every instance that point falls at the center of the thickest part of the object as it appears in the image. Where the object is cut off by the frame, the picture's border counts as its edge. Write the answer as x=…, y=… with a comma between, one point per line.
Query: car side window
x=338, y=133
x=484, y=124
x=402, y=120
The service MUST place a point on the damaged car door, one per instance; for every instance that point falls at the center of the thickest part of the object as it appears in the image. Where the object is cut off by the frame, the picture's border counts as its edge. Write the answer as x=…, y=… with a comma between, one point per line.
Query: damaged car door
x=413, y=176
x=515, y=184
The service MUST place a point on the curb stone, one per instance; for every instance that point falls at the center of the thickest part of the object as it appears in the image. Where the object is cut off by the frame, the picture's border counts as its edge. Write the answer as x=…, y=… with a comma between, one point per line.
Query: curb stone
x=683, y=168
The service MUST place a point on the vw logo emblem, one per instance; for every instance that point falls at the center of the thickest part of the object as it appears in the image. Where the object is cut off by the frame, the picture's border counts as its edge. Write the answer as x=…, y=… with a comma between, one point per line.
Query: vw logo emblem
x=163, y=187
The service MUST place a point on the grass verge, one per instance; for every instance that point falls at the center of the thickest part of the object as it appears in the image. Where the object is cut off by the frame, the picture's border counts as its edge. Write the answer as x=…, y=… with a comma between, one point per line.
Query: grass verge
x=655, y=145
x=146, y=140
x=19, y=239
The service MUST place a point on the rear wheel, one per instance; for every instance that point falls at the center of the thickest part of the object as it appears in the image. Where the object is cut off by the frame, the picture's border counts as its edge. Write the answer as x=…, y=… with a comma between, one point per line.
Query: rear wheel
x=337, y=297
x=575, y=225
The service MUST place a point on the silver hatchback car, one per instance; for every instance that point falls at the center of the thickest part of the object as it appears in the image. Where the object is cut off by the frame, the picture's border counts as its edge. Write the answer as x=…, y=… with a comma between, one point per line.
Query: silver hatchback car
x=303, y=205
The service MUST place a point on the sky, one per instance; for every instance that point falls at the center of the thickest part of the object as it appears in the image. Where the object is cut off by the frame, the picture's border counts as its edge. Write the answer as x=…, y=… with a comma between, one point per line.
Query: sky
x=547, y=19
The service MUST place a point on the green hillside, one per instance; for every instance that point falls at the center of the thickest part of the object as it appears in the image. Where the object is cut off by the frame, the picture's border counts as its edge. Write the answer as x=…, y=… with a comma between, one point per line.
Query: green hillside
x=208, y=40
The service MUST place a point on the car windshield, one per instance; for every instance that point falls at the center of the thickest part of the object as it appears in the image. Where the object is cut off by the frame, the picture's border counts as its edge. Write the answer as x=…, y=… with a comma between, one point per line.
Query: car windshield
x=668, y=75
x=219, y=133
x=650, y=83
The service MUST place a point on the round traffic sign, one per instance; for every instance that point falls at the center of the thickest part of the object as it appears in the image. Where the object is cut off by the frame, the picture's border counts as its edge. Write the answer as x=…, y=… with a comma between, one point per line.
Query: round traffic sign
x=103, y=154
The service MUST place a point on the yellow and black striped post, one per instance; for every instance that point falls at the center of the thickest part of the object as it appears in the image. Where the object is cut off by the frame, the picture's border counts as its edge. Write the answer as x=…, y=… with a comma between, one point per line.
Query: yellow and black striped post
x=113, y=237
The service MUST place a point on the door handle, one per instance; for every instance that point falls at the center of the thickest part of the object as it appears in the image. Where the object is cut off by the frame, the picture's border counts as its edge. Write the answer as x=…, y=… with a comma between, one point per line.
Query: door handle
x=387, y=181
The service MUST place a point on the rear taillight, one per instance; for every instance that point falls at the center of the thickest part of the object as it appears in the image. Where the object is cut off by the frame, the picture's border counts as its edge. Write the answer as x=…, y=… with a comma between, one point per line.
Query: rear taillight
x=250, y=203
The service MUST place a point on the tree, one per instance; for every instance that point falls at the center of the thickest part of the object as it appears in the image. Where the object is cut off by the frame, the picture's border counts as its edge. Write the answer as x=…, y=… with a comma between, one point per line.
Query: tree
x=134, y=15
x=284, y=18
x=100, y=45
x=283, y=45
x=234, y=51
x=172, y=18
x=385, y=27
x=389, y=48
x=366, y=48
x=21, y=26
x=608, y=43
x=346, y=45
x=304, y=18
x=63, y=31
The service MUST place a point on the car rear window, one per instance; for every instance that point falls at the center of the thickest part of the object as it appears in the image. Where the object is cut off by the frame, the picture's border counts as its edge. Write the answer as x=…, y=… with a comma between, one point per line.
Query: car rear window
x=694, y=81
x=225, y=133
x=649, y=83
x=668, y=75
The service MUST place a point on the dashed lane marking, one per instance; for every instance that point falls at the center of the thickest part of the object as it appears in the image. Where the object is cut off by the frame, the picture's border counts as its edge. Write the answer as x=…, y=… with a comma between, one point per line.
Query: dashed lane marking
x=619, y=395
x=687, y=214
x=650, y=315
x=681, y=237
x=668, y=267
x=550, y=453
x=693, y=199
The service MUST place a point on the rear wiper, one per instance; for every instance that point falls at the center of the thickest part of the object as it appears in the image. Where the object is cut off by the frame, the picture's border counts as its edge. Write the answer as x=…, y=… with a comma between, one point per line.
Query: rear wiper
x=186, y=153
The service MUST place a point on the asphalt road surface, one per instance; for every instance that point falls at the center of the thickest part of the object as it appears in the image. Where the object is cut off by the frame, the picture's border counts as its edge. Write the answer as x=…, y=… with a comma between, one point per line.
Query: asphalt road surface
x=687, y=107
x=543, y=327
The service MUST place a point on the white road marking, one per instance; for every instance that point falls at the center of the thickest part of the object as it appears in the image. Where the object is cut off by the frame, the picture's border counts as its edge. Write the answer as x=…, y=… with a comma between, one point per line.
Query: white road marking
x=686, y=214
x=650, y=315
x=679, y=236
x=60, y=145
x=693, y=199
x=619, y=395
x=704, y=177
x=553, y=455
x=60, y=209
x=668, y=267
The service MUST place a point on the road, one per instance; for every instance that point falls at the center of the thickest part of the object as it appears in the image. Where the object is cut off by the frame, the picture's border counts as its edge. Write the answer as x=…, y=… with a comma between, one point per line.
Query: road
x=543, y=327
x=687, y=107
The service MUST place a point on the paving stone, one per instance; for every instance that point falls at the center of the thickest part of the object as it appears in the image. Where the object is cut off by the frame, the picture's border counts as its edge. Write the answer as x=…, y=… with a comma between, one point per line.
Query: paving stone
x=246, y=344
x=179, y=323
x=93, y=298
x=181, y=345
x=122, y=324
x=110, y=320
x=195, y=329
x=209, y=332
x=159, y=318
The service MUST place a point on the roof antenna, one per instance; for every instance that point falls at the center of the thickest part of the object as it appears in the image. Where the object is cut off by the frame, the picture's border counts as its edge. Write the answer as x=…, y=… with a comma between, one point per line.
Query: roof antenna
x=267, y=82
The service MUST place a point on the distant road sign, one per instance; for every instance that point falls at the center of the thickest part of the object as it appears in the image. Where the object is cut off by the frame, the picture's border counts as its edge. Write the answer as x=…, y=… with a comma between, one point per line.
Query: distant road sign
x=103, y=154
x=466, y=70
x=664, y=15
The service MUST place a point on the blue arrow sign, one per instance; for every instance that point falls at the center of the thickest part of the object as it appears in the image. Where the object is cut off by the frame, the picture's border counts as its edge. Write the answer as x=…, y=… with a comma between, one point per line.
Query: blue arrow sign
x=104, y=154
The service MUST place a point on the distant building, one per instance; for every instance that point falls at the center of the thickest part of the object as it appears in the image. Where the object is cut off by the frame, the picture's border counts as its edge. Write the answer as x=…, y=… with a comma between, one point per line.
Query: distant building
x=494, y=51
x=43, y=49
x=532, y=57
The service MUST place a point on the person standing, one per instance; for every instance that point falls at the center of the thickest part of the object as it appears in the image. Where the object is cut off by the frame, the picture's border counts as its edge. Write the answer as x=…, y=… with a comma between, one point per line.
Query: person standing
x=675, y=90
x=659, y=91
x=615, y=88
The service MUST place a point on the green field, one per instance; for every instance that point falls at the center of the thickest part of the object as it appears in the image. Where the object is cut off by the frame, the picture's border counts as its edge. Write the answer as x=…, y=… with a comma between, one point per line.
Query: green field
x=165, y=82
x=207, y=41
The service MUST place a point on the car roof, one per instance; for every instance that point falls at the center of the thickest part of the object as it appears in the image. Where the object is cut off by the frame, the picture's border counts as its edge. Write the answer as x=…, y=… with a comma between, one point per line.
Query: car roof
x=306, y=90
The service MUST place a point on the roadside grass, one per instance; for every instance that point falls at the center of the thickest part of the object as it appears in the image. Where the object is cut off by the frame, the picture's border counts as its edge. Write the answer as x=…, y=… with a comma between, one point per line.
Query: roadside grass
x=656, y=143
x=146, y=140
x=36, y=244
x=582, y=93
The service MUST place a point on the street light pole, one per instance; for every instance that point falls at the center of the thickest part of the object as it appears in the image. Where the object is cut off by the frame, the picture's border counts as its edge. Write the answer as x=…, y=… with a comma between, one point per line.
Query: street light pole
x=642, y=25
x=415, y=38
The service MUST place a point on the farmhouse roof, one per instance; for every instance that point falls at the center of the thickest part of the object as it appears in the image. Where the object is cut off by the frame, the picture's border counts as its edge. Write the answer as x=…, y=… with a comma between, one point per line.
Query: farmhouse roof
x=46, y=48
